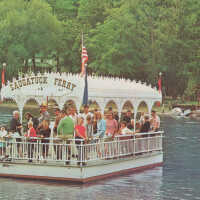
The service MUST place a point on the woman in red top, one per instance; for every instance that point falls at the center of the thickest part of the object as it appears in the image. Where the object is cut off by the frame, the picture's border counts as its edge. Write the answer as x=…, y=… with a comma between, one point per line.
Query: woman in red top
x=80, y=133
x=31, y=133
x=80, y=129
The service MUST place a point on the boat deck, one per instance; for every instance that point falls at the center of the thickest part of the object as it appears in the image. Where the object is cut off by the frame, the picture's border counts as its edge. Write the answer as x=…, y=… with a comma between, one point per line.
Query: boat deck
x=84, y=162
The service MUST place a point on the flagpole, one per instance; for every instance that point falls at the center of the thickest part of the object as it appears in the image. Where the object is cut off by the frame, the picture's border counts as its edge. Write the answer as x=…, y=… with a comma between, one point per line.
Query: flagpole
x=84, y=72
x=82, y=39
x=82, y=67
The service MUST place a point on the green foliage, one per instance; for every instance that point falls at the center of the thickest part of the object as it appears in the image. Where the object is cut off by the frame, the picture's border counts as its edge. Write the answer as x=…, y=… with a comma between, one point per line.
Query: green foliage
x=128, y=38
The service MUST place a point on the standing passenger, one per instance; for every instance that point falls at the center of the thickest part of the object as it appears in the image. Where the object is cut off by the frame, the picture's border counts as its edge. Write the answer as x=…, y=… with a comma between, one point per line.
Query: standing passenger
x=155, y=121
x=81, y=135
x=30, y=133
x=111, y=125
x=89, y=127
x=66, y=129
x=129, y=120
x=16, y=127
x=29, y=117
x=56, y=142
x=44, y=115
x=3, y=133
x=85, y=114
x=45, y=133
x=73, y=115
x=57, y=120
x=101, y=125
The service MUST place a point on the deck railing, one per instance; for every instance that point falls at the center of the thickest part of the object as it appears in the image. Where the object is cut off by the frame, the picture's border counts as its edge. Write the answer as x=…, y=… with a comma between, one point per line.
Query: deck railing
x=79, y=152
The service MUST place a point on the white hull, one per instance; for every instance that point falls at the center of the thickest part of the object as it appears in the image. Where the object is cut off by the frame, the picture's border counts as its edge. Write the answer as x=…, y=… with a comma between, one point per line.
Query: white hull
x=79, y=174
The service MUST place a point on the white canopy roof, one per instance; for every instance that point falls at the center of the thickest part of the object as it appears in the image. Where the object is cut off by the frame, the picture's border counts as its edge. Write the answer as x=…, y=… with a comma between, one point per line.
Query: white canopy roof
x=64, y=87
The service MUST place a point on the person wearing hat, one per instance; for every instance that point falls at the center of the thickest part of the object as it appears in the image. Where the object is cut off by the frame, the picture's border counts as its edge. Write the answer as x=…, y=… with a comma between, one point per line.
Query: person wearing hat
x=44, y=115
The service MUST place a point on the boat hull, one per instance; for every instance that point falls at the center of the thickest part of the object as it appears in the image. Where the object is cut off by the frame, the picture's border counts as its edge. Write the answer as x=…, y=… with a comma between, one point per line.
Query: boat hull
x=80, y=174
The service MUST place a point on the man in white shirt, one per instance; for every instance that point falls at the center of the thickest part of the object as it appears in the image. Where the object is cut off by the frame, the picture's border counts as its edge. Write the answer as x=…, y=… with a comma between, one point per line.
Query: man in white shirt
x=155, y=121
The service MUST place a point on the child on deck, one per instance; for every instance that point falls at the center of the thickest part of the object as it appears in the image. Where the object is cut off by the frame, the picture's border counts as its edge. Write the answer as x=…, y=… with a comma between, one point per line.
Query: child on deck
x=89, y=127
x=80, y=133
x=29, y=135
x=123, y=129
x=3, y=133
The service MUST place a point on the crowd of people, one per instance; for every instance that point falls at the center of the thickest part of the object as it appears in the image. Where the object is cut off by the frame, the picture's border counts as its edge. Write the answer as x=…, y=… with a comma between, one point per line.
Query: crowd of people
x=82, y=127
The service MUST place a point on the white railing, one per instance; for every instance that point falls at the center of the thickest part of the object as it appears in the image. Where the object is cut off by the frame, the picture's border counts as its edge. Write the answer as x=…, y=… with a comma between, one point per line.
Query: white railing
x=73, y=151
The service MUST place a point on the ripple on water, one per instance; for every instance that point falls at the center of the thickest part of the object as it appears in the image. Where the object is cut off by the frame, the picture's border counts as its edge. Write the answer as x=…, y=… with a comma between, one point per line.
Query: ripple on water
x=177, y=179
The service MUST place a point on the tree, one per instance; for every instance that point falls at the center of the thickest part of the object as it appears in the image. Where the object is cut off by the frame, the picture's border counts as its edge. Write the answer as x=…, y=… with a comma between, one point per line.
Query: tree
x=27, y=29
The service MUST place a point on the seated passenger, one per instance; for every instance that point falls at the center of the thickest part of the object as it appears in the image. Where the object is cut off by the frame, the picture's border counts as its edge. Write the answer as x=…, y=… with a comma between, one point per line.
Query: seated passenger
x=123, y=129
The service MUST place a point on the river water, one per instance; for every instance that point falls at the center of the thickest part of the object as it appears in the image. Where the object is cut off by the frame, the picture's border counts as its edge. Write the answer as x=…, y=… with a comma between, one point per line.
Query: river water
x=179, y=178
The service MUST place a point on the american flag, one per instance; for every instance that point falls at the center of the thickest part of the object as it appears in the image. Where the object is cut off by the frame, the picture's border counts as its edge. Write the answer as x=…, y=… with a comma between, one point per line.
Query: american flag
x=3, y=77
x=160, y=85
x=84, y=57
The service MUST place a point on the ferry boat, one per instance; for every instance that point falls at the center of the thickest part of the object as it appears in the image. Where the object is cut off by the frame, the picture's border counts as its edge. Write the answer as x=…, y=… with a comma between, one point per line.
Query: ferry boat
x=99, y=157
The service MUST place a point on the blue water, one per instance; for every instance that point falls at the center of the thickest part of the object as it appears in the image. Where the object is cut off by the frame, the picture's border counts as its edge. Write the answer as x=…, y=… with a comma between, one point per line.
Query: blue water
x=179, y=178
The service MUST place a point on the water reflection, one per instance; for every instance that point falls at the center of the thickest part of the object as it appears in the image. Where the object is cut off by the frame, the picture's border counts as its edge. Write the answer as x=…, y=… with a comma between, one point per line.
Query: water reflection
x=136, y=186
x=177, y=179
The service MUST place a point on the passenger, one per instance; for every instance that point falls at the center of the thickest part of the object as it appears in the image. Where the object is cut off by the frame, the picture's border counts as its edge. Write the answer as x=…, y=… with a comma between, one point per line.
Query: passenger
x=101, y=125
x=73, y=115
x=155, y=121
x=59, y=116
x=15, y=128
x=44, y=115
x=95, y=121
x=44, y=132
x=57, y=120
x=142, y=120
x=66, y=130
x=58, y=140
x=85, y=114
x=116, y=116
x=89, y=127
x=30, y=133
x=29, y=117
x=129, y=120
x=111, y=125
x=3, y=134
x=124, y=145
x=146, y=127
x=123, y=129
x=81, y=135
